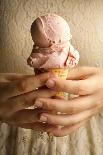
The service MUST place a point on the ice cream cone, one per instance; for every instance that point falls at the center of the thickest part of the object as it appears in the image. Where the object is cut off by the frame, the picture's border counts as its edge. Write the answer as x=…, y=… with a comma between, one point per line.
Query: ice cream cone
x=61, y=73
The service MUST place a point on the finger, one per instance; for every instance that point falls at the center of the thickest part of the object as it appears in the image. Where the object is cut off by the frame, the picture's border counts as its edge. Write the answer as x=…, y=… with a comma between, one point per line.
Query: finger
x=3, y=80
x=64, y=119
x=27, y=84
x=71, y=106
x=15, y=76
x=24, y=101
x=12, y=76
x=37, y=126
x=78, y=87
x=68, y=129
x=24, y=116
x=79, y=73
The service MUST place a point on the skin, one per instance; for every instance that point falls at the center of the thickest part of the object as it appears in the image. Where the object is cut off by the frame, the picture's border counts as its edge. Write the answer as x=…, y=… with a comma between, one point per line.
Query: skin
x=84, y=82
x=17, y=93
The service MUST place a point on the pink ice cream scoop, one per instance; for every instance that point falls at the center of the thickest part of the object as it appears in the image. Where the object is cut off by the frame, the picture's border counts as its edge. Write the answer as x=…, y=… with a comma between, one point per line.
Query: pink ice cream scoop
x=52, y=47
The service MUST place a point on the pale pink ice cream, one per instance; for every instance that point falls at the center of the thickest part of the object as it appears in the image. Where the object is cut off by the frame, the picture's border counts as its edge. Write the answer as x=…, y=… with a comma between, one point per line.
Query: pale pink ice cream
x=52, y=47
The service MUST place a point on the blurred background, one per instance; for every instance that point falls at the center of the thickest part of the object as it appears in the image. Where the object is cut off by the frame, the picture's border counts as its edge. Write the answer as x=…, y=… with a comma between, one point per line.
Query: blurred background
x=85, y=18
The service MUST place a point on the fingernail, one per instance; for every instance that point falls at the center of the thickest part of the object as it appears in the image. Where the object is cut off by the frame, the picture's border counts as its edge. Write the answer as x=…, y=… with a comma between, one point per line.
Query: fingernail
x=43, y=119
x=50, y=134
x=38, y=104
x=50, y=83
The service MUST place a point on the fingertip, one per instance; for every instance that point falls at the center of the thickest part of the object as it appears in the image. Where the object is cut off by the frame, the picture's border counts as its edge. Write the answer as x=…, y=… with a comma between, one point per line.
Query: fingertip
x=50, y=83
x=55, y=133
x=50, y=134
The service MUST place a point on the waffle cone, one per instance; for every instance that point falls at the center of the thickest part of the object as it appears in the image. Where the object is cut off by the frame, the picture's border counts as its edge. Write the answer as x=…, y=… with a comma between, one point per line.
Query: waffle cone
x=61, y=73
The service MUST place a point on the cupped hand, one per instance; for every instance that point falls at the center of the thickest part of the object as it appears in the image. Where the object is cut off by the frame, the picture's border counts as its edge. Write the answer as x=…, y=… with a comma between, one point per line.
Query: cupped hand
x=87, y=84
x=18, y=92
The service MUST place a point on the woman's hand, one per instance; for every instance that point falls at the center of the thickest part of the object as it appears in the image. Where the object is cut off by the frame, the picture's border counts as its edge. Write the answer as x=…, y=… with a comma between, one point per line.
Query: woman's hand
x=18, y=92
x=87, y=84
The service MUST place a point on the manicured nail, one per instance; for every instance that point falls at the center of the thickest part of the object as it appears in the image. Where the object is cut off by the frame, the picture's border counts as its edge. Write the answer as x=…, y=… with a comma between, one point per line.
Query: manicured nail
x=50, y=83
x=43, y=119
x=38, y=104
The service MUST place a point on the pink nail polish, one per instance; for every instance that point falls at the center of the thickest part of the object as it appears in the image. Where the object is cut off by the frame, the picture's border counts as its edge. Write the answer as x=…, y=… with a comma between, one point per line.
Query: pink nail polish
x=38, y=104
x=43, y=119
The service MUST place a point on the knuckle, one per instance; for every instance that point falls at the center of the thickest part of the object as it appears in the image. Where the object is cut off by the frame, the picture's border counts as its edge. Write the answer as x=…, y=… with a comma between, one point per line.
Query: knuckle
x=64, y=87
x=48, y=105
x=80, y=89
x=72, y=110
x=74, y=120
x=25, y=101
x=22, y=102
x=52, y=106
x=51, y=120
x=22, y=86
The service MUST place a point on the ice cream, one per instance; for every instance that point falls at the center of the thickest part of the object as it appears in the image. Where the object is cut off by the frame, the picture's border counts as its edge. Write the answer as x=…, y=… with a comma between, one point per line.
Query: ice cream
x=52, y=50
x=52, y=47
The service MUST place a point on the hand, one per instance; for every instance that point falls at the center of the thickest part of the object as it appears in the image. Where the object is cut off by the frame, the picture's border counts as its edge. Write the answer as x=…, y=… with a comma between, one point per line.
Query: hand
x=87, y=84
x=18, y=92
